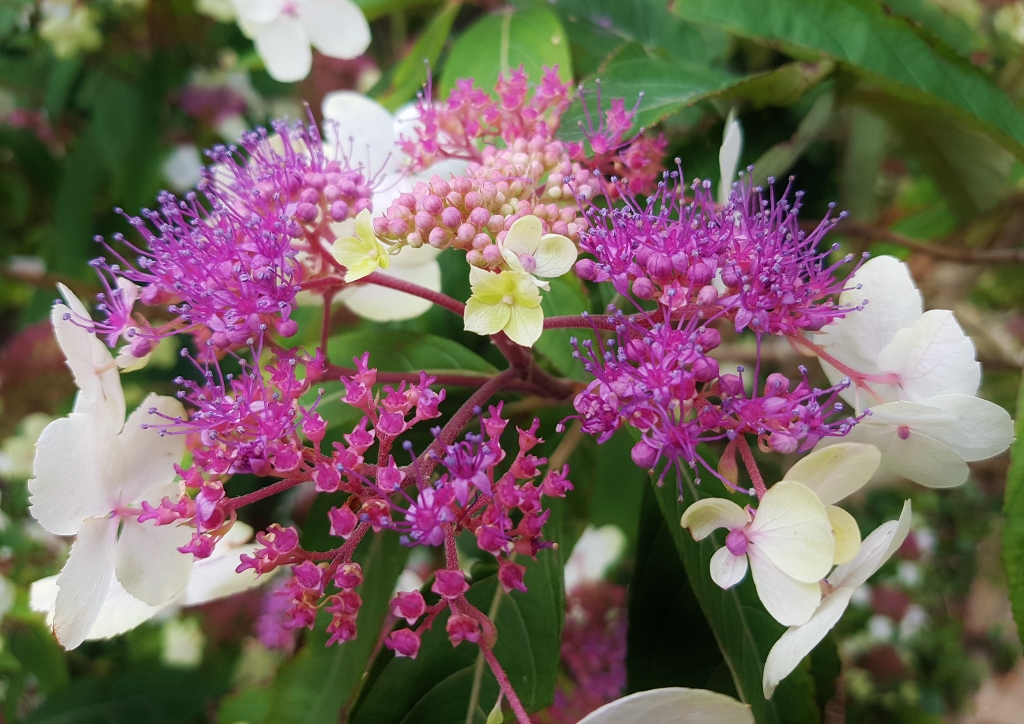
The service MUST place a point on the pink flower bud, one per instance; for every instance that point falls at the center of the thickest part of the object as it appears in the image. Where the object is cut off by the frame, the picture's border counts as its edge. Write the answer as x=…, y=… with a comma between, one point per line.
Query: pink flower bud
x=408, y=605
x=343, y=521
x=449, y=584
x=404, y=642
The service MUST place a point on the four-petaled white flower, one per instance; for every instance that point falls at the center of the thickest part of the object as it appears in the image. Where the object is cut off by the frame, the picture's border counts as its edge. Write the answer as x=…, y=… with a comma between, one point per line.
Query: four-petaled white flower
x=365, y=131
x=799, y=641
x=283, y=30
x=921, y=376
x=788, y=543
x=211, y=578
x=526, y=248
x=90, y=468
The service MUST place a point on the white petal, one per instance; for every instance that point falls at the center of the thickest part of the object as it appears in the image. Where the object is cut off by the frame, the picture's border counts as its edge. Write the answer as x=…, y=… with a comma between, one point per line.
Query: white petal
x=284, y=47
x=258, y=11
x=705, y=516
x=337, y=28
x=69, y=467
x=120, y=612
x=597, y=550
x=525, y=324
x=91, y=363
x=729, y=156
x=672, y=706
x=874, y=551
x=846, y=533
x=933, y=357
x=524, y=236
x=555, y=256
x=798, y=641
x=215, y=577
x=382, y=304
x=983, y=429
x=792, y=528
x=361, y=127
x=790, y=602
x=142, y=457
x=149, y=564
x=836, y=471
x=726, y=569
x=84, y=581
x=893, y=303
x=922, y=456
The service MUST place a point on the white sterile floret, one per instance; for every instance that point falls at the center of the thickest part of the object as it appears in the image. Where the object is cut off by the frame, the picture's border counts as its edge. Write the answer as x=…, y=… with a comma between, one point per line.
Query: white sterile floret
x=526, y=248
x=674, y=705
x=209, y=579
x=729, y=156
x=800, y=640
x=596, y=551
x=90, y=468
x=788, y=544
x=363, y=130
x=283, y=30
x=917, y=374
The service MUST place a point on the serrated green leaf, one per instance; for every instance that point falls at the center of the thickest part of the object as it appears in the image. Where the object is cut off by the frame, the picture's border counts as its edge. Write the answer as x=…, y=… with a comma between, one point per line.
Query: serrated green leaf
x=435, y=687
x=501, y=42
x=400, y=351
x=886, y=49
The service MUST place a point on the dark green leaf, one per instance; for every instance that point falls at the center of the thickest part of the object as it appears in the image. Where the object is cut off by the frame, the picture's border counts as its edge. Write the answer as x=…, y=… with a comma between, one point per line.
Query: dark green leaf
x=886, y=49
x=501, y=42
x=374, y=9
x=39, y=654
x=778, y=159
x=435, y=687
x=862, y=162
x=399, y=351
x=565, y=297
x=314, y=686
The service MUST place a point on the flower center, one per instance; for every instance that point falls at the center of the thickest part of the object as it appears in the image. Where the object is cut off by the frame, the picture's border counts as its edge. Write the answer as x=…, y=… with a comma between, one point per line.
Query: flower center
x=903, y=431
x=736, y=542
x=507, y=299
x=528, y=262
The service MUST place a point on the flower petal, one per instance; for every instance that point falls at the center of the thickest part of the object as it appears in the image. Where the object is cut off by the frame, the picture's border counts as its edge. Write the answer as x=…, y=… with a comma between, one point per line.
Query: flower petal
x=382, y=304
x=836, y=471
x=68, y=486
x=484, y=318
x=555, y=256
x=933, y=357
x=792, y=528
x=90, y=362
x=790, y=602
x=729, y=156
x=675, y=705
x=84, y=581
x=258, y=11
x=148, y=562
x=983, y=429
x=120, y=611
x=215, y=577
x=354, y=121
x=799, y=641
x=525, y=324
x=874, y=552
x=705, y=516
x=523, y=236
x=846, y=533
x=140, y=456
x=597, y=550
x=726, y=569
x=284, y=47
x=893, y=303
x=337, y=28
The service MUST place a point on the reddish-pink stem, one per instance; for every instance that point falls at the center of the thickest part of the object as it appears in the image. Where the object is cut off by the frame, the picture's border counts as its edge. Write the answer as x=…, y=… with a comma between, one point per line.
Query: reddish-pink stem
x=279, y=487
x=438, y=298
x=506, y=686
x=751, y=465
x=858, y=378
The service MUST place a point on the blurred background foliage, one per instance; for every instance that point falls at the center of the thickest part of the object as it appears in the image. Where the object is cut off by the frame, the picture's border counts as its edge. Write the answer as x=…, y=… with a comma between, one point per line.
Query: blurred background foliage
x=905, y=113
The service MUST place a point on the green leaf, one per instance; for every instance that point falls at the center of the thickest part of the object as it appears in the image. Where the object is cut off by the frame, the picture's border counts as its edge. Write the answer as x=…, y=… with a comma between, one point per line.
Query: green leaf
x=1013, y=525
x=971, y=170
x=862, y=162
x=886, y=49
x=745, y=632
x=435, y=686
x=400, y=351
x=501, y=42
x=411, y=72
x=782, y=86
x=778, y=159
x=374, y=9
x=313, y=687
x=39, y=654
x=665, y=618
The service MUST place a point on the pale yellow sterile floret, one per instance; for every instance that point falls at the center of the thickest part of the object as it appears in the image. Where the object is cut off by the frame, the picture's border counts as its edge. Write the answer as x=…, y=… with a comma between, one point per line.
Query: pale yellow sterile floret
x=363, y=253
x=506, y=302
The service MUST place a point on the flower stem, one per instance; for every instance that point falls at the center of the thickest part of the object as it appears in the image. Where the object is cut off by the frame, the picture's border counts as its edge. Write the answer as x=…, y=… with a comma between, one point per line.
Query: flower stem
x=438, y=298
x=506, y=686
x=751, y=465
